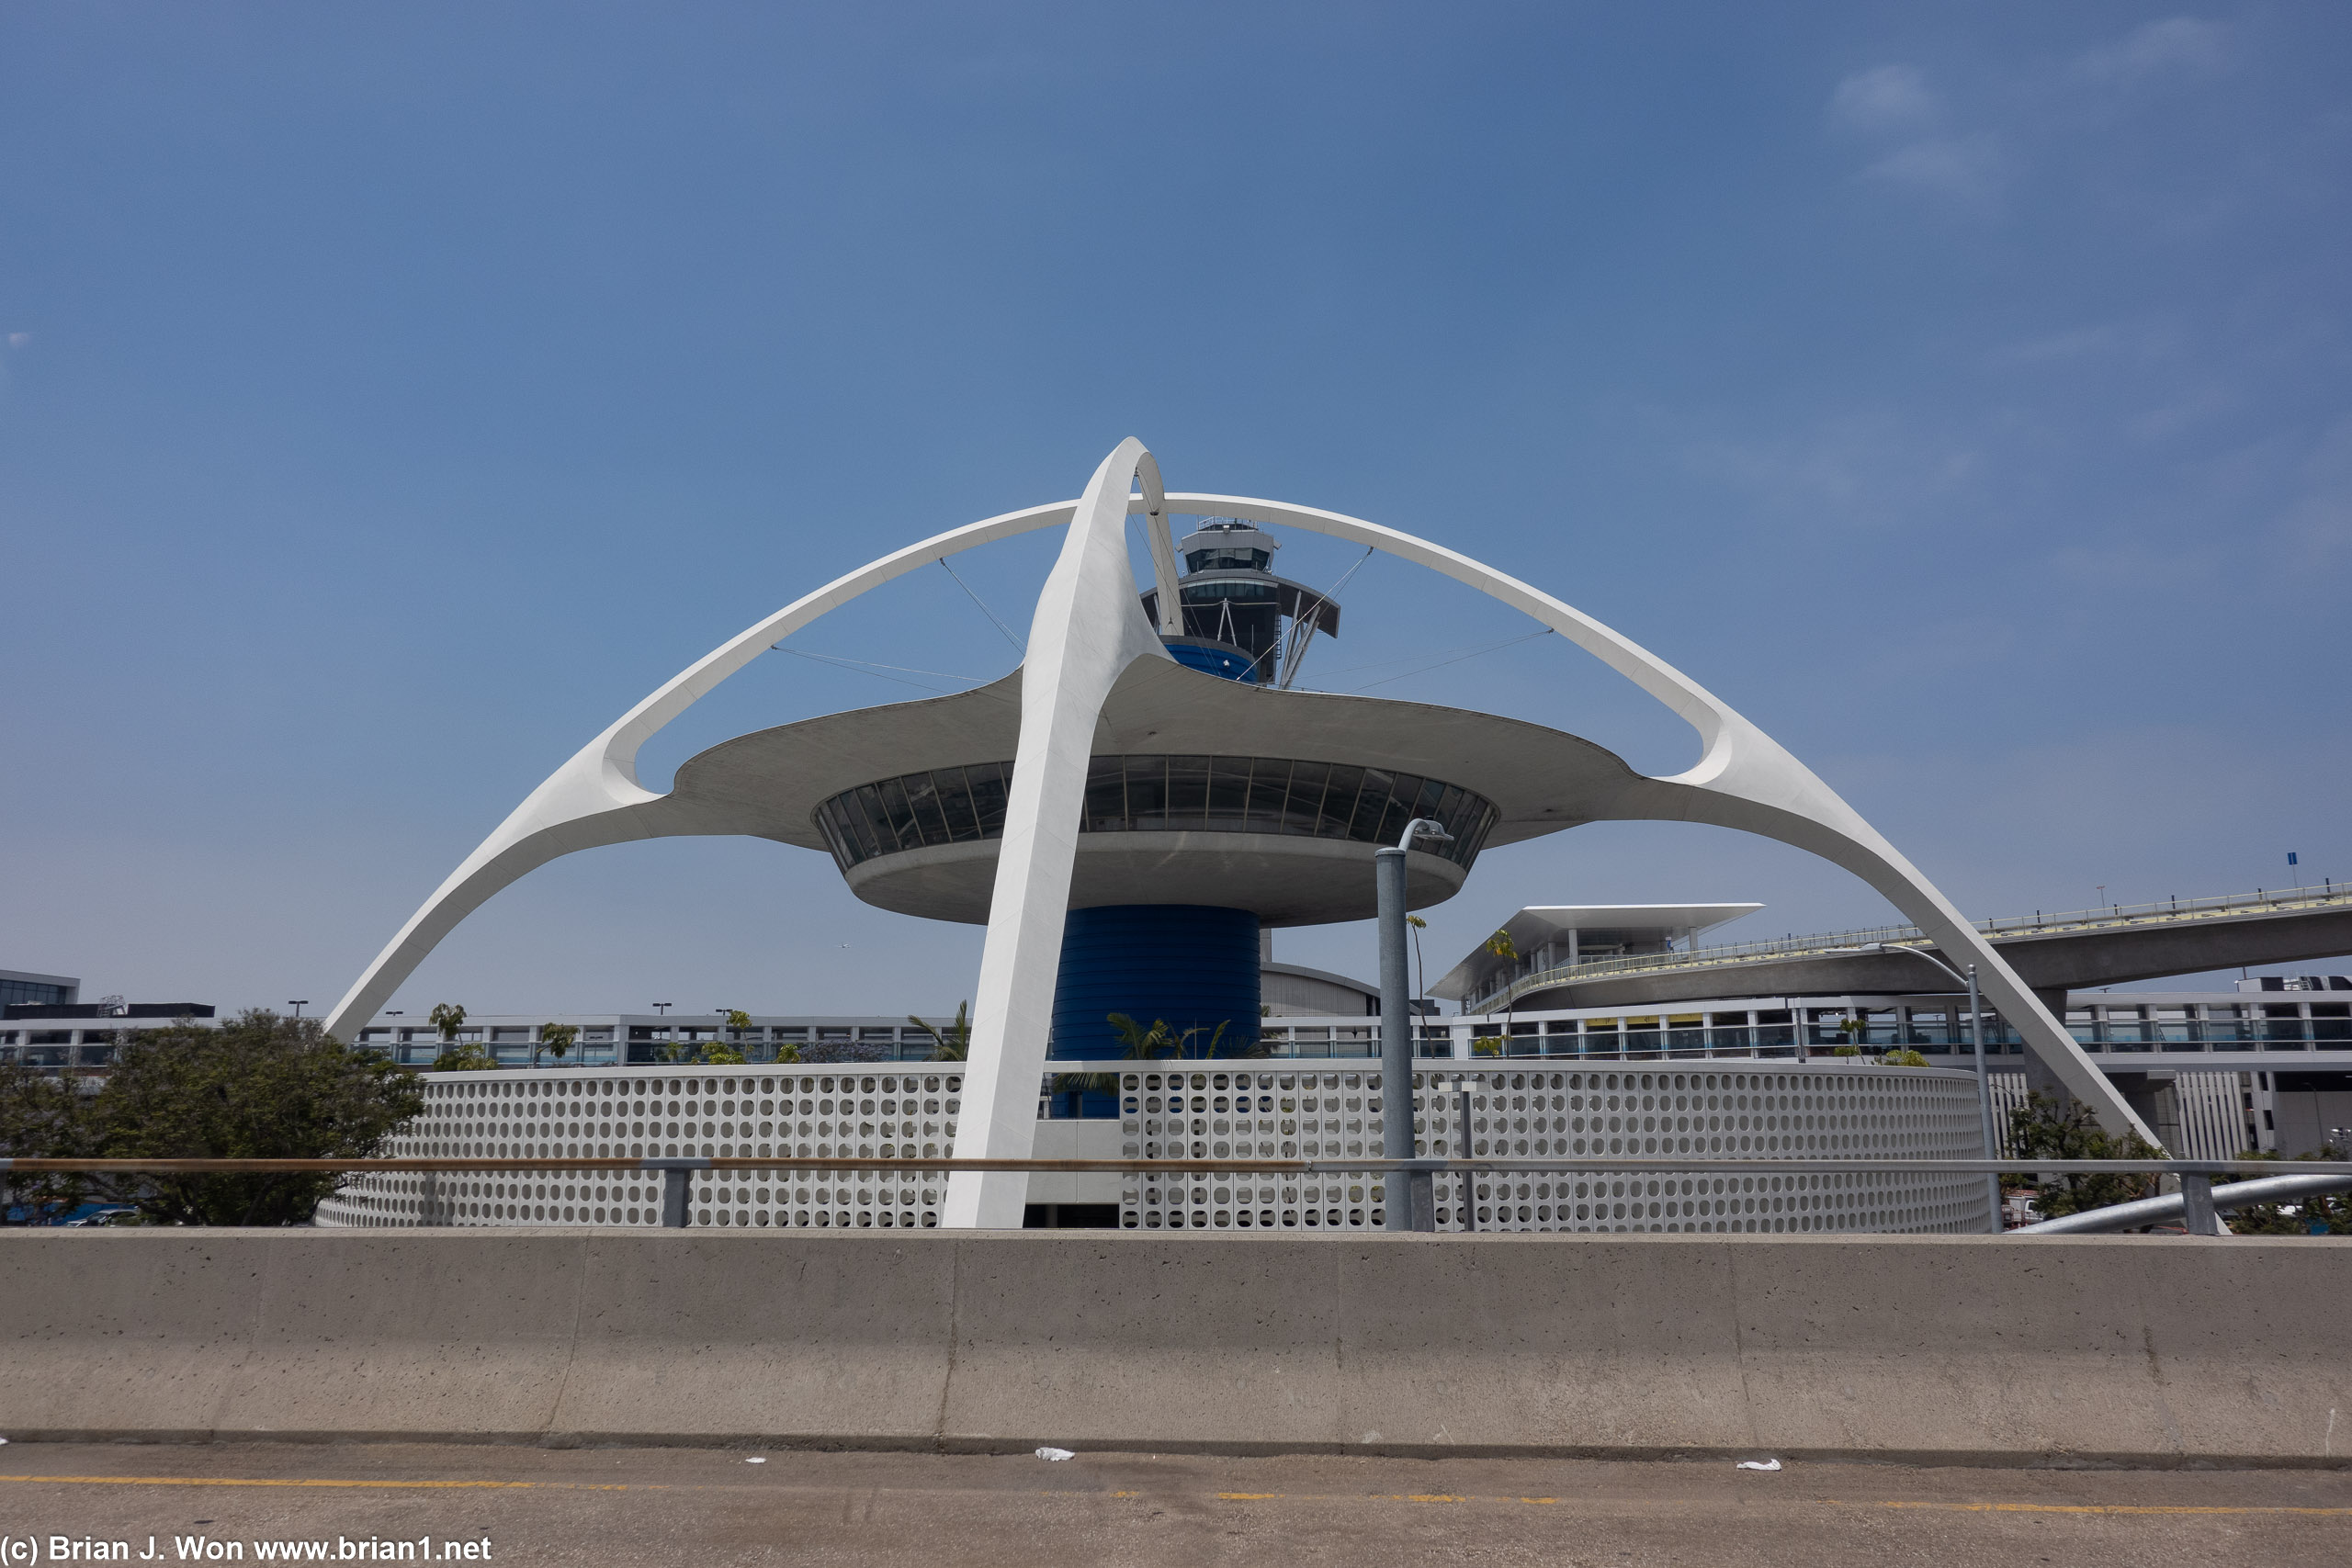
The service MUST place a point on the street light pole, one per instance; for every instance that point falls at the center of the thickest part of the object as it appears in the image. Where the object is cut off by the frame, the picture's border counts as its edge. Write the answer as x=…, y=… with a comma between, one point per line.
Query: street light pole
x=1411, y=1202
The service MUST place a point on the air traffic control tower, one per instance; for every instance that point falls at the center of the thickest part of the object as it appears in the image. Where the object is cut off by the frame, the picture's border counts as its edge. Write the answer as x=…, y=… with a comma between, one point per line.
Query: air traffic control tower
x=1188, y=846
x=1127, y=810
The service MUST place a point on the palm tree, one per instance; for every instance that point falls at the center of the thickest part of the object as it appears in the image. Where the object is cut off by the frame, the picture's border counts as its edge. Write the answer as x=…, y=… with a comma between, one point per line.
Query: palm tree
x=1215, y=1038
x=1420, y=966
x=1502, y=947
x=448, y=1017
x=953, y=1043
x=1141, y=1042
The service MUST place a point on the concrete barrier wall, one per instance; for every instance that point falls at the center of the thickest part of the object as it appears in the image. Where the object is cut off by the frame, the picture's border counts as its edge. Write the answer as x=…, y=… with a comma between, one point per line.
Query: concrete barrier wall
x=1972, y=1349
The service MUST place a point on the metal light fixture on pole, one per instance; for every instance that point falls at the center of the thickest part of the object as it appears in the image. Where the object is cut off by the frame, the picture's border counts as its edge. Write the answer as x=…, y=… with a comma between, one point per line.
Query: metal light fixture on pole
x=1977, y=1042
x=1411, y=1204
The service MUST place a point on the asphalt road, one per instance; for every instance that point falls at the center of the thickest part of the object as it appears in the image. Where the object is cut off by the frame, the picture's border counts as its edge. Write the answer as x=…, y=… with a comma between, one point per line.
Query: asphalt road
x=694, y=1507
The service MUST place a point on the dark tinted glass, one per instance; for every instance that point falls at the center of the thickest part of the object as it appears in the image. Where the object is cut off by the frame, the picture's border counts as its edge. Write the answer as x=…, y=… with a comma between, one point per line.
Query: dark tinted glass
x=1188, y=791
x=1147, y=793
x=1106, y=795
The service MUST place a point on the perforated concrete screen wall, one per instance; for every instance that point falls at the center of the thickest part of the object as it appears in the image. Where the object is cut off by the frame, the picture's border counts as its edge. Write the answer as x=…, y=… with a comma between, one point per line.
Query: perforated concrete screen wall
x=858, y=1111
x=1209, y=1110
x=1756, y=1111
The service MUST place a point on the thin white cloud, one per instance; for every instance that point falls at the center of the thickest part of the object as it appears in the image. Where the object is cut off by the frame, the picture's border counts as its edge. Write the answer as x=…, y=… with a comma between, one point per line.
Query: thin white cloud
x=2316, y=526
x=1884, y=99
x=1964, y=171
x=1869, y=468
x=2139, y=341
x=19, y=340
x=2177, y=44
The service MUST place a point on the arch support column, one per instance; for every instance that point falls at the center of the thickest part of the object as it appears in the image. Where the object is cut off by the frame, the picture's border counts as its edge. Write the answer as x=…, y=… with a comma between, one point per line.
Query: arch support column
x=1089, y=627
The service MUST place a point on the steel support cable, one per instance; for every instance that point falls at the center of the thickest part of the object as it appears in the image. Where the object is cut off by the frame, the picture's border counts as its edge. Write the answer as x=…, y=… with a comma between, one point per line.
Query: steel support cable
x=1388, y=680
x=1302, y=625
x=868, y=667
x=995, y=618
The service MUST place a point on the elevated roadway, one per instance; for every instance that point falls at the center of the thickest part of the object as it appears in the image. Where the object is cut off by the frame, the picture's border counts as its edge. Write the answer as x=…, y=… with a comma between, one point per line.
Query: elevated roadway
x=2076, y=951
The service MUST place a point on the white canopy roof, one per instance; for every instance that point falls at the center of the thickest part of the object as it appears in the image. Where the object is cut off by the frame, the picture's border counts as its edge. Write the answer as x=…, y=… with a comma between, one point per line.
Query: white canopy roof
x=1648, y=926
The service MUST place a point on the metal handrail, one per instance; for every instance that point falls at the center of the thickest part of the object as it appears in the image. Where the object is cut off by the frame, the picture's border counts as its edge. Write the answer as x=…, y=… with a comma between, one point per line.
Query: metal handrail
x=1997, y=929
x=1441, y=1163
x=2190, y=1206
x=677, y=1172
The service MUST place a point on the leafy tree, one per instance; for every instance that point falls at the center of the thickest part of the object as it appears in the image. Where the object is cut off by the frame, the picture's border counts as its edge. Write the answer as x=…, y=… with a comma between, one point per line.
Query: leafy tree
x=449, y=1018
x=726, y=1053
x=1905, y=1057
x=42, y=1116
x=1487, y=1046
x=2321, y=1213
x=260, y=1087
x=953, y=1043
x=556, y=1040
x=467, y=1057
x=2042, y=1129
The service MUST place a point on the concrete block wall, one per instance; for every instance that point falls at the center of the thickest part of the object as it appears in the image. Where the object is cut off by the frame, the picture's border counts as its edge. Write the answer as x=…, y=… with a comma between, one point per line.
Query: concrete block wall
x=1975, y=1349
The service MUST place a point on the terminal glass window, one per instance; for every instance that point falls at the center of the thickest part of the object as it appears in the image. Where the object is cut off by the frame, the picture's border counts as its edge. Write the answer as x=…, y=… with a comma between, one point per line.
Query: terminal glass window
x=1162, y=794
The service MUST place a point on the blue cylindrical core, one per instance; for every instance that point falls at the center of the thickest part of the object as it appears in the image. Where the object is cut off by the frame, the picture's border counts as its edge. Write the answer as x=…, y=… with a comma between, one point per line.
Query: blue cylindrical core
x=1194, y=965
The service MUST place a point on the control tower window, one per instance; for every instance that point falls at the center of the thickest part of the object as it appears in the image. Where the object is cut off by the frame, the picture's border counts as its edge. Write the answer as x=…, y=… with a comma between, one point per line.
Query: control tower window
x=1227, y=559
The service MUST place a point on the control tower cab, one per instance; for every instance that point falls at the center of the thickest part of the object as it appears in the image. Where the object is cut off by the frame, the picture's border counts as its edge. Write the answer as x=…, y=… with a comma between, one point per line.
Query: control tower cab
x=1240, y=620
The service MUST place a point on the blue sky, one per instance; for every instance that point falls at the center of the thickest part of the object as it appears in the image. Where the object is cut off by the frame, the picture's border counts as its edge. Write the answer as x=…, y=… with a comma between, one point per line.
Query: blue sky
x=391, y=396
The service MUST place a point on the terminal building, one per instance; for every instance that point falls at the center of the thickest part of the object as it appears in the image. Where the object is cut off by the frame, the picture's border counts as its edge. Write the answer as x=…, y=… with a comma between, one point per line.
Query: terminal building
x=1128, y=814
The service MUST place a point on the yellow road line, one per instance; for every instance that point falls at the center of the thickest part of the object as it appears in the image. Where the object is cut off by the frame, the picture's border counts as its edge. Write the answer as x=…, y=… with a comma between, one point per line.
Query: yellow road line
x=1966, y=1507
x=2091, y=1508
x=414, y=1485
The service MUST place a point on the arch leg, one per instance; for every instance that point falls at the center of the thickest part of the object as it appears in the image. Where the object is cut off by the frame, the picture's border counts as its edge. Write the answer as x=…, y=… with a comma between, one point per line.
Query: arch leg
x=1744, y=779
x=1088, y=630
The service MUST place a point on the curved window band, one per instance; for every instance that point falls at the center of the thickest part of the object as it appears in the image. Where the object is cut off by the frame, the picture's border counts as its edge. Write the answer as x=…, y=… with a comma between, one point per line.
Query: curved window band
x=1161, y=793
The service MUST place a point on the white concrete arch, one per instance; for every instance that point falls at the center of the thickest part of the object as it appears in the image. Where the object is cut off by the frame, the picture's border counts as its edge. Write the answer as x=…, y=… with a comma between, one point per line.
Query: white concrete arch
x=1744, y=779
x=1089, y=628
x=595, y=799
